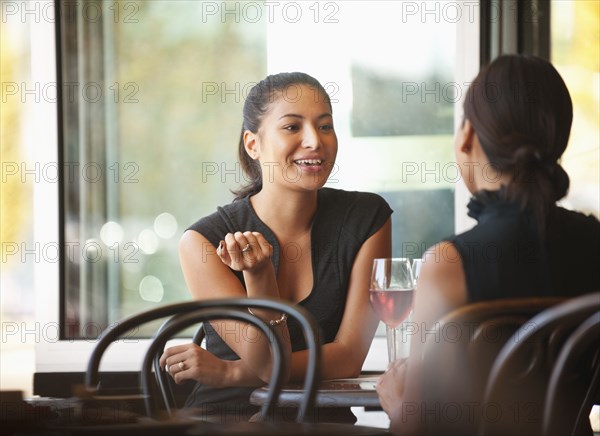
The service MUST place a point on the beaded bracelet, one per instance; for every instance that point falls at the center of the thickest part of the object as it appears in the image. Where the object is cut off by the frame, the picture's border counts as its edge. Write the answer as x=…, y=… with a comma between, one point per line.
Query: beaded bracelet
x=273, y=322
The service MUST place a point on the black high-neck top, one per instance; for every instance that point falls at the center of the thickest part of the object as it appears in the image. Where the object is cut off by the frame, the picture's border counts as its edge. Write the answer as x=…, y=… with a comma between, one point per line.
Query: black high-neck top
x=505, y=255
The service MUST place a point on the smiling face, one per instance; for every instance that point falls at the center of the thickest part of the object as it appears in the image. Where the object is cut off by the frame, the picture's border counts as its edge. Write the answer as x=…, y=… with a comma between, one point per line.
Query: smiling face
x=296, y=143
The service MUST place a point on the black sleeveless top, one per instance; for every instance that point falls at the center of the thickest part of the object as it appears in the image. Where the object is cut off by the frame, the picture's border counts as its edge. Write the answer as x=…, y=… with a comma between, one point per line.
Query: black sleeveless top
x=505, y=255
x=343, y=222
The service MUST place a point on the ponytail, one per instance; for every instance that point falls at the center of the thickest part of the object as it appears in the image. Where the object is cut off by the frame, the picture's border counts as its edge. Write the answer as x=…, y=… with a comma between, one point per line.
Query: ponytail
x=537, y=182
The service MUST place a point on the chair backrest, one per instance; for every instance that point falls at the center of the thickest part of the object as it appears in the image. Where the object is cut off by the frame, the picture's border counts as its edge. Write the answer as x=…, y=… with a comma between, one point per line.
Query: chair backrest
x=574, y=384
x=180, y=322
x=517, y=384
x=459, y=354
x=305, y=320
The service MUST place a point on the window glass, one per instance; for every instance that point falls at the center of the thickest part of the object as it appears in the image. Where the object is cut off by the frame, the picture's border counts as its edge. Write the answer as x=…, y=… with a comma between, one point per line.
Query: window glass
x=19, y=171
x=575, y=45
x=154, y=126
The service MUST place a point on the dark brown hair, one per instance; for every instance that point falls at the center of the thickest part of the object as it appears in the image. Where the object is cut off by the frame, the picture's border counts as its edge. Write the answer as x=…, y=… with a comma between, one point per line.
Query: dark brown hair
x=256, y=106
x=521, y=110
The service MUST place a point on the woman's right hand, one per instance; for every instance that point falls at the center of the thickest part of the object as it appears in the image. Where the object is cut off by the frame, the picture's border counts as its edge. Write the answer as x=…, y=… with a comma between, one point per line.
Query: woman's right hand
x=248, y=251
x=192, y=362
x=390, y=388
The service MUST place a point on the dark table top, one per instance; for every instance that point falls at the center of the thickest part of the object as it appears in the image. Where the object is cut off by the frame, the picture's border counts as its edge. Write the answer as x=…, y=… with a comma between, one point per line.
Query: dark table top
x=350, y=392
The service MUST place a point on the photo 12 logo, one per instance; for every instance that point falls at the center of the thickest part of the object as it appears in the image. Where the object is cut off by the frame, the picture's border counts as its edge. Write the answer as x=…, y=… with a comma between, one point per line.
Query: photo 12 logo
x=239, y=92
x=72, y=92
x=443, y=11
x=50, y=332
x=72, y=172
x=270, y=11
x=89, y=251
x=38, y=11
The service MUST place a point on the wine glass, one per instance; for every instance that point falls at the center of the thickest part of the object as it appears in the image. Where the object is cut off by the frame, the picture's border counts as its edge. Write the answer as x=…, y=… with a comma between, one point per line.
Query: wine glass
x=391, y=295
x=416, y=268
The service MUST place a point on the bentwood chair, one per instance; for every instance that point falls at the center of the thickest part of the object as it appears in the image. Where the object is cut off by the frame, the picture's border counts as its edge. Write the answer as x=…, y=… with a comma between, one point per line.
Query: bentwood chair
x=236, y=309
x=574, y=384
x=517, y=386
x=187, y=313
x=458, y=357
x=183, y=321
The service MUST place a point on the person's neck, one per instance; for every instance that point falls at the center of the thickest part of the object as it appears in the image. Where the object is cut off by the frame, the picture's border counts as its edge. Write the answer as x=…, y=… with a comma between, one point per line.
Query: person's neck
x=489, y=179
x=288, y=214
x=490, y=186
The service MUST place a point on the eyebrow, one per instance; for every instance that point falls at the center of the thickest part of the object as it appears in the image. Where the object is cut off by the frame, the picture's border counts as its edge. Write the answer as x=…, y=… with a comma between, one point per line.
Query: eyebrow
x=324, y=115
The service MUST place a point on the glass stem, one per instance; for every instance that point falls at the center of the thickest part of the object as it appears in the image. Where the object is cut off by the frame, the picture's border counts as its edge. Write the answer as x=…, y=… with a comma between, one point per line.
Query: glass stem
x=391, y=342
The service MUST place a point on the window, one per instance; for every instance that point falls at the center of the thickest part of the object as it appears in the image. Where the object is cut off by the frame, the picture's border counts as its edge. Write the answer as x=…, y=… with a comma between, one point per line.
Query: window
x=574, y=46
x=151, y=113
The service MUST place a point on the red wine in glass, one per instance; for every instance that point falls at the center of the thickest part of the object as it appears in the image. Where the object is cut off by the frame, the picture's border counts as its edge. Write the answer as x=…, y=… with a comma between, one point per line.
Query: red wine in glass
x=391, y=295
x=392, y=306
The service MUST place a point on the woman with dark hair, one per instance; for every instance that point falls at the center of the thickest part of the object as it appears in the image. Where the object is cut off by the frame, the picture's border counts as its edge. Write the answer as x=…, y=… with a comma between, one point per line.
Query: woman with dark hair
x=285, y=236
x=517, y=119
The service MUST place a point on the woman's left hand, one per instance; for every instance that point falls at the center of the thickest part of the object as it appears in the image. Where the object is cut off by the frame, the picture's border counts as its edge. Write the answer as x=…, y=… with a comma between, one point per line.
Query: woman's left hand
x=247, y=251
x=191, y=362
x=390, y=388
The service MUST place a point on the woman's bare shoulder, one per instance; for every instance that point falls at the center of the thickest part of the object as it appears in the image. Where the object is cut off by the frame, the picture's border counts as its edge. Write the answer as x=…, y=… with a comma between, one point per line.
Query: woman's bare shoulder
x=441, y=285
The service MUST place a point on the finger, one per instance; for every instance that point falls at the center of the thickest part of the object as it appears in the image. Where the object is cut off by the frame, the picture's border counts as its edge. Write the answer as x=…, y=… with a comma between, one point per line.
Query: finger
x=230, y=243
x=395, y=365
x=182, y=376
x=232, y=247
x=234, y=242
x=184, y=370
x=251, y=239
x=263, y=243
x=175, y=365
x=174, y=355
x=166, y=356
x=241, y=240
x=401, y=366
x=177, y=349
x=253, y=248
x=380, y=379
x=223, y=253
x=163, y=358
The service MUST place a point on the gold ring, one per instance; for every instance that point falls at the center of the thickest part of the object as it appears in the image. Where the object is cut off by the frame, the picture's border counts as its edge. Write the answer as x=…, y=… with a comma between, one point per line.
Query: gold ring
x=248, y=247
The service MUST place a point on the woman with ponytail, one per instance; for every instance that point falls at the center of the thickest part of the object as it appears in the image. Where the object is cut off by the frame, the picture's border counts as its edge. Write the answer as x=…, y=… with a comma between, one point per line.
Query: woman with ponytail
x=517, y=120
x=287, y=237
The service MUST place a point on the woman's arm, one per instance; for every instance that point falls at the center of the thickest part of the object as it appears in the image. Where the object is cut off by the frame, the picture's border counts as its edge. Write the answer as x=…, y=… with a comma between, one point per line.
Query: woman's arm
x=441, y=288
x=344, y=357
x=208, y=277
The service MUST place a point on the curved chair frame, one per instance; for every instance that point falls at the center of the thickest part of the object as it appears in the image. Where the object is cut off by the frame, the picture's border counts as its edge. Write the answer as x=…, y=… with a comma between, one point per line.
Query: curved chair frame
x=543, y=335
x=461, y=350
x=304, y=318
x=181, y=322
x=557, y=419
